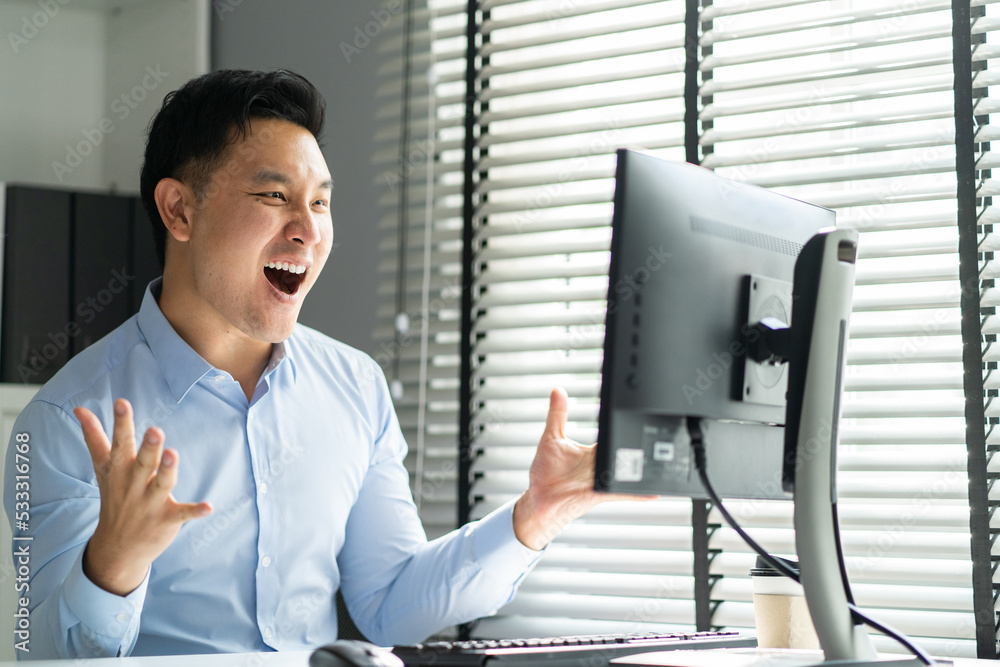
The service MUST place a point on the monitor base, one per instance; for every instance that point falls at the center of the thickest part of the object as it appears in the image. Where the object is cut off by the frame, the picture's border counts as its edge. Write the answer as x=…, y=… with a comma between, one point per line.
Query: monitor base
x=755, y=657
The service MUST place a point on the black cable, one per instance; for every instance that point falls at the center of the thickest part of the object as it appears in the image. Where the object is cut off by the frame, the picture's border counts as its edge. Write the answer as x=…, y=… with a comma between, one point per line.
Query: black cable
x=780, y=564
x=889, y=631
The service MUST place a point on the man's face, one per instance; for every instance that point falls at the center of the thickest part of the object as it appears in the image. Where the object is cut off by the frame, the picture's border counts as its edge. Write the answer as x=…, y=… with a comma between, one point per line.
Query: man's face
x=262, y=231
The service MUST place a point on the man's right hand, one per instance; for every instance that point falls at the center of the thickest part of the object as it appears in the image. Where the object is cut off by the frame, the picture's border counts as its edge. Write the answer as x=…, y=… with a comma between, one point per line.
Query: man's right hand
x=139, y=517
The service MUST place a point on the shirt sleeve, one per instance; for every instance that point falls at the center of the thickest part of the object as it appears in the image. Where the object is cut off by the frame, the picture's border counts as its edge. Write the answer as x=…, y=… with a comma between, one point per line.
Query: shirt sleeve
x=399, y=587
x=69, y=616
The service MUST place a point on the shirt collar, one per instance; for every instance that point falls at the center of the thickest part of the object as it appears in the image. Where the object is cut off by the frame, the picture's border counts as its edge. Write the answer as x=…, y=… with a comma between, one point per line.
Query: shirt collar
x=283, y=352
x=180, y=365
x=279, y=353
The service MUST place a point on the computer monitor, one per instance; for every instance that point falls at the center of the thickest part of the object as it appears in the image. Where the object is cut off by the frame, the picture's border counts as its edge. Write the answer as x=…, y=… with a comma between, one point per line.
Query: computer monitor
x=724, y=343
x=696, y=259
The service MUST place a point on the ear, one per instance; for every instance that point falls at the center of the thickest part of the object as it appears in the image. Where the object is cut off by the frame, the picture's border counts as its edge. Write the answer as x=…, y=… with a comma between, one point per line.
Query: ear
x=175, y=200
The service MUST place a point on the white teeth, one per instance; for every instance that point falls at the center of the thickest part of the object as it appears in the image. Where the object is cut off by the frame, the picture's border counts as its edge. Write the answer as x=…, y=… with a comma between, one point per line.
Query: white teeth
x=285, y=266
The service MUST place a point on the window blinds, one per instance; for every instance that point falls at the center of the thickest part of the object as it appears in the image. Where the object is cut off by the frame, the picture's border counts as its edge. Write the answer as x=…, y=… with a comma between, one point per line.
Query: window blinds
x=562, y=87
x=419, y=155
x=846, y=103
x=849, y=105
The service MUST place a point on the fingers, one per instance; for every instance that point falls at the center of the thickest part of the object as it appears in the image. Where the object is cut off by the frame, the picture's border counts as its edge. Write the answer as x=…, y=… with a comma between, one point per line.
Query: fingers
x=610, y=497
x=555, y=423
x=123, y=440
x=166, y=474
x=93, y=435
x=164, y=482
x=188, y=511
x=147, y=460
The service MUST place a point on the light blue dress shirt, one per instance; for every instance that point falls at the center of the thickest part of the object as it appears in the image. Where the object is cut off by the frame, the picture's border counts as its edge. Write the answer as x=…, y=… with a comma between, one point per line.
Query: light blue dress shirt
x=309, y=494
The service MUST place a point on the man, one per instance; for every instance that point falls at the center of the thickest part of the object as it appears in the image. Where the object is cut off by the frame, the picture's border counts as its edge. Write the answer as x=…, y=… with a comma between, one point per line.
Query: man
x=286, y=438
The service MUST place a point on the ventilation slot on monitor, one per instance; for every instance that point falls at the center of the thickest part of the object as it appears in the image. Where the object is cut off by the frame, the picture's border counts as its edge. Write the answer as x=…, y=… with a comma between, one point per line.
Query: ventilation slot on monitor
x=745, y=236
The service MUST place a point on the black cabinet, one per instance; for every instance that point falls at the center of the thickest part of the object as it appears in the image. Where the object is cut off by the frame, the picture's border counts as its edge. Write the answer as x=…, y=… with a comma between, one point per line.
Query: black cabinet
x=75, y=266
x=100, y=277
x=144, y=264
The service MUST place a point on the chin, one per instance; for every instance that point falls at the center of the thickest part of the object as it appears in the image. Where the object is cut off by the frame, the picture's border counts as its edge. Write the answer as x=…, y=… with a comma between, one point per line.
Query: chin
x=270, y=332
x=279, y=334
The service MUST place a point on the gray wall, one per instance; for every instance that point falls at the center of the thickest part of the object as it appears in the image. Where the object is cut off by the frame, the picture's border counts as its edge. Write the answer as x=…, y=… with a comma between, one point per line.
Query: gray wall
x=305, y=36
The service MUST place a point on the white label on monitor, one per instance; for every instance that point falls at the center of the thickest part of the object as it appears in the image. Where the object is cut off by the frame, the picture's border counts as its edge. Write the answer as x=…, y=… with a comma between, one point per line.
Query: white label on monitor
x=628, y=465
x=663, y=451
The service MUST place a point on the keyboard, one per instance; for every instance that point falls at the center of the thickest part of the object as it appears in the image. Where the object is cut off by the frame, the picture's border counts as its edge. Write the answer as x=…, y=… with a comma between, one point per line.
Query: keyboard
x=582, y=651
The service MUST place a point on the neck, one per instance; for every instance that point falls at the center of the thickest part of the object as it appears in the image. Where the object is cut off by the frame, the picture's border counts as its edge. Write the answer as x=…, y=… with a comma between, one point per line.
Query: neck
x=217, y=342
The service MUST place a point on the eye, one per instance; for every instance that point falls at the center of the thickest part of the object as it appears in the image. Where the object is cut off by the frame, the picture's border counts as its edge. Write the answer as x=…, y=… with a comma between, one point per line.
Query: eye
x=321, y=202
x=270, y=195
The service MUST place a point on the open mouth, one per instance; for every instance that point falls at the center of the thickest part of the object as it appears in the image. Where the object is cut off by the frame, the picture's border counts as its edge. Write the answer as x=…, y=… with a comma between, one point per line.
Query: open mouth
x=285, y=277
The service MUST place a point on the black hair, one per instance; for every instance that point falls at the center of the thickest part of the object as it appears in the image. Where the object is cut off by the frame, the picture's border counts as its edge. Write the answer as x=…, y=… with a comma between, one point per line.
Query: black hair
x=189, y=137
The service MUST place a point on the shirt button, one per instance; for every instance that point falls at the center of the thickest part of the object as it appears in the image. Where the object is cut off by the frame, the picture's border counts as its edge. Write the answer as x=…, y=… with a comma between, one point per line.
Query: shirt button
x=267, y=632
x=265, y=561
x=262, y=487
x=122, y=618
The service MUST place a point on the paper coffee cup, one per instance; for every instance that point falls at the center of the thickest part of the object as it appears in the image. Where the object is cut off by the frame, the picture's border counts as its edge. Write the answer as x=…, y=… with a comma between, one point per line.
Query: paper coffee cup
x=780, y=612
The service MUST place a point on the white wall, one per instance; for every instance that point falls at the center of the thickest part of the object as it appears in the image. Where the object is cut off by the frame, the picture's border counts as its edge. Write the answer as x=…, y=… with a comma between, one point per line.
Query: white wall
x=75, y=91
x=153, y=48
x=51, y=91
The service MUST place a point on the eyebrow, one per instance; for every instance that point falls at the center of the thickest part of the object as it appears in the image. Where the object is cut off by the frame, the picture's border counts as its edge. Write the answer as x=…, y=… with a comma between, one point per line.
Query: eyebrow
x=266, y=176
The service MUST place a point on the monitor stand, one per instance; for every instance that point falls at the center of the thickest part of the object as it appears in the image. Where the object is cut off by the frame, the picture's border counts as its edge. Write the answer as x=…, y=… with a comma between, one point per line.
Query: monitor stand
x=824, y=281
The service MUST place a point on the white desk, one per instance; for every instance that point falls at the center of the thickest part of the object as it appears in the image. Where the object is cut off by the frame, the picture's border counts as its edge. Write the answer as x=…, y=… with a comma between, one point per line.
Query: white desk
x=748, y=657
x=289, y=659
x=704, y=658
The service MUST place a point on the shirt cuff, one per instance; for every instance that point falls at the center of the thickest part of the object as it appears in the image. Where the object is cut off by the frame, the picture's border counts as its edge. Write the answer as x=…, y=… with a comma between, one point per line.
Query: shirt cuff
x=498, y=551
x=112, y=620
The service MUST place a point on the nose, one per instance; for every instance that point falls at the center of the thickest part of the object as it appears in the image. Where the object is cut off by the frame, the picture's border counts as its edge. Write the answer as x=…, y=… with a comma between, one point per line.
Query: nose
x=305, y=227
